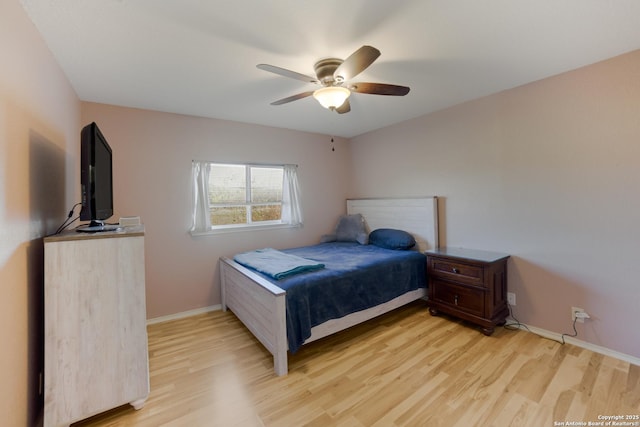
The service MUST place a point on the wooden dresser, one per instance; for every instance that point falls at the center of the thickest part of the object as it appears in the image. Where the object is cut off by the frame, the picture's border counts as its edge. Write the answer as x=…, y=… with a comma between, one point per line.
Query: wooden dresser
x=96, y=355
x=469, y=284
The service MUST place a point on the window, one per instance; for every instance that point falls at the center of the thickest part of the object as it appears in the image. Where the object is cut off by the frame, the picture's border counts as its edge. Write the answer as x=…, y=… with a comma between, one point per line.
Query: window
x=237, y=196
x=244, y=194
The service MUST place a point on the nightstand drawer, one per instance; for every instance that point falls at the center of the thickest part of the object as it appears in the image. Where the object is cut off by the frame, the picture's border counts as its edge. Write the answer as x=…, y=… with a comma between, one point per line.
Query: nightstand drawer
x=458, y=271
x=467, y=299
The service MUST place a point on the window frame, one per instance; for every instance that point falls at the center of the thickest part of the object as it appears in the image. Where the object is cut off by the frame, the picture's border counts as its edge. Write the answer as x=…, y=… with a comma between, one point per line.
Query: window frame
x=248, y=195
x=249, y=225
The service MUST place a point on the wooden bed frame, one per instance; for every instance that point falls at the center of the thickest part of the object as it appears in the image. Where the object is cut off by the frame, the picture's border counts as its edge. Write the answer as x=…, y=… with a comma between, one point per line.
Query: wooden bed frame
x=260, y=305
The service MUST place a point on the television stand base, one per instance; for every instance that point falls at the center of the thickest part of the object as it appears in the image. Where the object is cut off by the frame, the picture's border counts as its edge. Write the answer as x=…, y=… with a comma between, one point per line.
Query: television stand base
x=97, y=227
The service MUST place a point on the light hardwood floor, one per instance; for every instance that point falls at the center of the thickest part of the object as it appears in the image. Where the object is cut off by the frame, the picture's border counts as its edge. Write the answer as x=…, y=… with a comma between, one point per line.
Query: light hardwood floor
x=405, y=368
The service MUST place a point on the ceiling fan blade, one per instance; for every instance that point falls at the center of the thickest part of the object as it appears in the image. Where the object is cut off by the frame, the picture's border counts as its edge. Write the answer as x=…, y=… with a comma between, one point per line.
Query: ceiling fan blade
x=287, y=73
x=356, y=63
x=379, y=89
x=344, y=108
x=292, y=98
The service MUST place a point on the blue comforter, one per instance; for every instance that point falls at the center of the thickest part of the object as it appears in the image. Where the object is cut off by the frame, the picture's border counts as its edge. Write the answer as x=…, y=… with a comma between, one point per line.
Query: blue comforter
x=355, y=277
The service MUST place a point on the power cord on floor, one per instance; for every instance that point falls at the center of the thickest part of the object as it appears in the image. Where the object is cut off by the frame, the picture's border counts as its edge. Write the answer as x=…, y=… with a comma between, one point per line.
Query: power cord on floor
x=516, y=325
x=575, y=331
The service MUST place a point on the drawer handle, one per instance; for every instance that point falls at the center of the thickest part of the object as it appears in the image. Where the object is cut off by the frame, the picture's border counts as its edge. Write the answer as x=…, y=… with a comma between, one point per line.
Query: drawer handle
x=455, y=270
x=455, y=299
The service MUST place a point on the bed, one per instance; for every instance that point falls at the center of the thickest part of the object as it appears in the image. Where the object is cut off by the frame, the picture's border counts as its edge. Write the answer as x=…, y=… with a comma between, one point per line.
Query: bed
x=261, y=302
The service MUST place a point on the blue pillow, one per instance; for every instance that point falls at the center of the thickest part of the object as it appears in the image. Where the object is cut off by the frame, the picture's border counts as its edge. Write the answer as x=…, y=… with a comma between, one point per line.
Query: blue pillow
x=392, y=239
x=350, y=228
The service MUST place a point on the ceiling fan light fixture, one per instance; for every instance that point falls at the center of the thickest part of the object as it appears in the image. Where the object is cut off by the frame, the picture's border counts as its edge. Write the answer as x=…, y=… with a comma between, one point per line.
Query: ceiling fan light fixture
x=332, y=97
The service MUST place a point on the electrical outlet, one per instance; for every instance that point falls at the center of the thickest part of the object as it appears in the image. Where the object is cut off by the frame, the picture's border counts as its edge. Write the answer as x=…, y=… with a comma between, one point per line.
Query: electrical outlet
x=511, y=298
x=580, y=316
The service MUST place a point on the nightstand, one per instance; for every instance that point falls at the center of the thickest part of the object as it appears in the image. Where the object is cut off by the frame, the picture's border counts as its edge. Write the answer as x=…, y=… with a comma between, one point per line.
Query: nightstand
x=468, y=284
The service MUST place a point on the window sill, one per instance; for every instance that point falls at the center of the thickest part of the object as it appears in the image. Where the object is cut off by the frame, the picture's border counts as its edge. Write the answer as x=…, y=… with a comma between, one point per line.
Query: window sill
x=241, y=228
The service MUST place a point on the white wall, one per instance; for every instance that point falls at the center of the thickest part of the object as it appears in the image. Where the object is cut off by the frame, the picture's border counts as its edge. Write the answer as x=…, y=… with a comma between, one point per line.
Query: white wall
x=548, y=172
x=152, y=167
x=39, y=119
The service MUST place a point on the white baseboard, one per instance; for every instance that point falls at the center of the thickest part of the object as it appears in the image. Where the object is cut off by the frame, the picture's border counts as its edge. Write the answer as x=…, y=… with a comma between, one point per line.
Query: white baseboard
x=571, y=340
x=183, y=314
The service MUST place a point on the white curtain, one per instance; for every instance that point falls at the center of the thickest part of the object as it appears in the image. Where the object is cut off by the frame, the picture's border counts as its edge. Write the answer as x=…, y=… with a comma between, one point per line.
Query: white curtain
x=201, y=220
x=291, y=203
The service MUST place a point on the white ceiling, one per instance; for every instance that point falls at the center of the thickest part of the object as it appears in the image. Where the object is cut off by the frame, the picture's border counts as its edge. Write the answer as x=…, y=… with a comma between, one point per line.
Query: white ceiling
x=199, y=57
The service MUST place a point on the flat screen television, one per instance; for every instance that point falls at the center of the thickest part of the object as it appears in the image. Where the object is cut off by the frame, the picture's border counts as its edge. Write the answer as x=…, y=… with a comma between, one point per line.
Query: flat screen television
x=96, y=180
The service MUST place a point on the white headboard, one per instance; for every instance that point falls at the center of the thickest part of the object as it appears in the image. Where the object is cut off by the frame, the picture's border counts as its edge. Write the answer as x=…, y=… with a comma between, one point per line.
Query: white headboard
x=418, y=216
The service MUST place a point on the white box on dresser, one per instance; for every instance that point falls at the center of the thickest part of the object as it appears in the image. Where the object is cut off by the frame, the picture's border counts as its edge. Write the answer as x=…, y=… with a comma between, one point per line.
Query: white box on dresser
x=96, y=352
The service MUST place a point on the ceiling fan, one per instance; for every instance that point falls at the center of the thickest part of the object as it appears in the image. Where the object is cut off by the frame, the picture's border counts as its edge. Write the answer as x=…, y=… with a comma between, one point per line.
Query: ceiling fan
x=334, y=76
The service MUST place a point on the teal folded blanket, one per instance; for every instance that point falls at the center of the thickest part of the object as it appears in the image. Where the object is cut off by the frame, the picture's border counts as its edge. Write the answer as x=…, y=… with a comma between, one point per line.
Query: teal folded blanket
x=276, y=264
